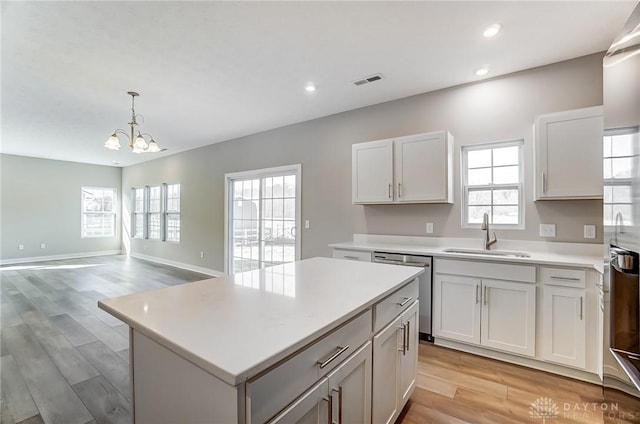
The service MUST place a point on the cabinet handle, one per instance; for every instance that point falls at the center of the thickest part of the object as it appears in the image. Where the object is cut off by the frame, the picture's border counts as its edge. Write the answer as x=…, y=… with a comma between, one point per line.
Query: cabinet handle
x=554, y=277
x=408, y=335
x=330, y=404
x=477, y=294
x=339, y=391
x=404, y=338
x=389, y=191
x=350, y=257
x=399, y=190
x=405, y=301
x=485, y=295
x=581, y=308
x=544, y=183
x=339, y=352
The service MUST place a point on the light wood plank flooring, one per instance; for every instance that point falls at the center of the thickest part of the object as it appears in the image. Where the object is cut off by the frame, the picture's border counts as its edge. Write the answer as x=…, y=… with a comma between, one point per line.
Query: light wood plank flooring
x=63, y=360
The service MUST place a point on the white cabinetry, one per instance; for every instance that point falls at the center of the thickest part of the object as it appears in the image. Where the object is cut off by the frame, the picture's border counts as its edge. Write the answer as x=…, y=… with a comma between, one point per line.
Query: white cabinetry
x=564, y=317
x=395, y=365
x=344, y=396
x=477, y=308
x=353, y=255
x=571, y=137
x=411, y=169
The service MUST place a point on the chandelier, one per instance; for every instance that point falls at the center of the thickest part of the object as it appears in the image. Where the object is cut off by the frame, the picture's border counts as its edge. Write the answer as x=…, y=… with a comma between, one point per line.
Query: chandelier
x=138, y=144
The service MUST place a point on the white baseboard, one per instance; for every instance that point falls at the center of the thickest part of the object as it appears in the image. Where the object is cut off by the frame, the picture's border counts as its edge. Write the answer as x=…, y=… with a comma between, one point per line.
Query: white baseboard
x=189, y=267
x=59, y=257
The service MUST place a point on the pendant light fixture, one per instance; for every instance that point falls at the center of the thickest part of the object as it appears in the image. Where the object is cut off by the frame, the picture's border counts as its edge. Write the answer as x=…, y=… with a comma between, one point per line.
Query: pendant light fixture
x=137, y=143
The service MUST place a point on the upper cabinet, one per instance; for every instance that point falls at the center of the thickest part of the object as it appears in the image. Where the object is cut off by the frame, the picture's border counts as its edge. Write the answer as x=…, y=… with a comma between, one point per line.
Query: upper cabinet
x=411, y=169
x=568, y=155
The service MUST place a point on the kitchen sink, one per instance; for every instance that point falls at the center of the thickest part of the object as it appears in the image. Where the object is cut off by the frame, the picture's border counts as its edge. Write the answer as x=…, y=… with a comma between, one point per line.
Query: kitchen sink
x=489, y=252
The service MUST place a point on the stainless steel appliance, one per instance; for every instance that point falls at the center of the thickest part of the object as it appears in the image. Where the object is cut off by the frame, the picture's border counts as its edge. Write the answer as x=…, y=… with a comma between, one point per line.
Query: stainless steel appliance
x=621, y=297
x=424, y=284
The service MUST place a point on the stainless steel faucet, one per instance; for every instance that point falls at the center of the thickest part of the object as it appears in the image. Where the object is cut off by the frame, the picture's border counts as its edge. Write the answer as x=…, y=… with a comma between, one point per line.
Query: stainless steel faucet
x=485, y=227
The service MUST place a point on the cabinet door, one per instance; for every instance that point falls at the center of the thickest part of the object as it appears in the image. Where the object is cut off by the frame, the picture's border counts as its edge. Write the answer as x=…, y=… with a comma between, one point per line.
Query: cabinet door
x=310, y=408
x=423, y=168
x=563, y=326
x=508, y=316
x=350, y=388
x=386, y=373
x=409, y=357
x=572, y=137
x=372, y=172
x=456, y=308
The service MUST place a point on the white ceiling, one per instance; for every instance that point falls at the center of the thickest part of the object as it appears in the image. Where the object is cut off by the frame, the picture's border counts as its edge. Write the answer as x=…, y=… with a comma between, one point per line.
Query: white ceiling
x=213, y=71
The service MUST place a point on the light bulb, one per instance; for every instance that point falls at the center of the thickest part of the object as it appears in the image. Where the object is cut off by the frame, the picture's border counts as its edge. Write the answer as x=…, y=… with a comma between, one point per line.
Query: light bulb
x=137, y=149
x=140, y=142
x=112, y=143
x=153, y=146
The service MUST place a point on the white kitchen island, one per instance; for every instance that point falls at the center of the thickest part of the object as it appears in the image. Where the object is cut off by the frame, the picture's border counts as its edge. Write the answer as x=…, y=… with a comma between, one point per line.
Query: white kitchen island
x=317, y=339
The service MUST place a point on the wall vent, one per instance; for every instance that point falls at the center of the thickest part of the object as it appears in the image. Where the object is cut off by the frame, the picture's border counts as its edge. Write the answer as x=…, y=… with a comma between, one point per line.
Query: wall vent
x=367, y=80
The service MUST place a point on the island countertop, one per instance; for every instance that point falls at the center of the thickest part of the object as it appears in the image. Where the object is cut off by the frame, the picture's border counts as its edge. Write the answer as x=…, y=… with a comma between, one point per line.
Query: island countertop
x=237, y=326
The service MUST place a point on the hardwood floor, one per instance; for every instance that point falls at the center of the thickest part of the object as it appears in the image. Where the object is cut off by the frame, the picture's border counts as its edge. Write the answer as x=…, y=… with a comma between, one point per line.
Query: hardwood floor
x=457, y=387
x=63, y=360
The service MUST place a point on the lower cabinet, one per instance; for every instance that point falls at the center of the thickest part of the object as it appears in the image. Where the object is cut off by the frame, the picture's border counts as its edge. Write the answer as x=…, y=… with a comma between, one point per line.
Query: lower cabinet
x=493, y=313
x=564, y=325
x=395, y=364
x=344, y=396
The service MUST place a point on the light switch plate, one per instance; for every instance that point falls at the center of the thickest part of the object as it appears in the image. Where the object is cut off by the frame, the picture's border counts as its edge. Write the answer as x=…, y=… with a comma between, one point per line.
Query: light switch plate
x=547, y=230
x=307, y=225
x=43, y=246
x=21, y=247
x=590, y=231
x=429, y=228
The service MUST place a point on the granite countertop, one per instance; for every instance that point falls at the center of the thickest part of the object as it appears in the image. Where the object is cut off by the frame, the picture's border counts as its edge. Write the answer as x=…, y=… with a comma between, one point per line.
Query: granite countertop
x=580, y=255
x=237, y=326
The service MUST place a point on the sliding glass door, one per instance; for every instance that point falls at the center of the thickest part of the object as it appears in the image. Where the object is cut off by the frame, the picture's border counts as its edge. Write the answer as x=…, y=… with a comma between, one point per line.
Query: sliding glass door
x=262, y=218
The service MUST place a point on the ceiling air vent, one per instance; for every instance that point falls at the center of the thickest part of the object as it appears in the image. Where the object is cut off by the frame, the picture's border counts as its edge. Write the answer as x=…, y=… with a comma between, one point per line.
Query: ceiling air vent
x=367, y=80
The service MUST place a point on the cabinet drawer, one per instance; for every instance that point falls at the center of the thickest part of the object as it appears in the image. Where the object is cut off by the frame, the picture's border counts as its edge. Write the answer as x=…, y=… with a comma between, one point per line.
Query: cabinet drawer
x=389, y=307
x=354, y=255
x=563, y=277
x=486, y=269
x=269, y=393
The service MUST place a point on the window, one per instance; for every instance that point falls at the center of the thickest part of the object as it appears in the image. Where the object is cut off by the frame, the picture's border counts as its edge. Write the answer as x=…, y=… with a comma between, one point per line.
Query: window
x=492, y=184
x=618, y=167
x=98, y=215
x=138, y=214
x=154, y=213
x=172, y=212
x=262, y=218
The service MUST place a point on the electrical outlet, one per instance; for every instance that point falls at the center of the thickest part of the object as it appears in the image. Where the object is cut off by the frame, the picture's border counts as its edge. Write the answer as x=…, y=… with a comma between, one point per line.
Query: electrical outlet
x=21, y=247
x=43, y=246
x=201, y=255
x=306, y=224
x=590, y=231
x=429, y=228
x=547, y=230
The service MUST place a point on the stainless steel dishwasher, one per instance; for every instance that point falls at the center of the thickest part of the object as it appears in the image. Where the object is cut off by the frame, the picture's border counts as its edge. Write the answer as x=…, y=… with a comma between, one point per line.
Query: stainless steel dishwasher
x=424, y=283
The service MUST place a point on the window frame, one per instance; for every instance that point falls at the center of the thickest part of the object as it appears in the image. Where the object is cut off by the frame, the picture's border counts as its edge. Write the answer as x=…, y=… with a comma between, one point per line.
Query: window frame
x=83, y=213
x=617, y=182
x=466, y=188
x=149, y=213
x=166, y=212
x=134, y=213
x=258, y=174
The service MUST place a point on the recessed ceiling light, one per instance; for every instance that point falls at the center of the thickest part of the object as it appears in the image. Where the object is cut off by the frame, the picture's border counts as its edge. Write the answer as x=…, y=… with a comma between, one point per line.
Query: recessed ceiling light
x=492, y=30
x=310, y=87
x=482, y=71
x=115, y=162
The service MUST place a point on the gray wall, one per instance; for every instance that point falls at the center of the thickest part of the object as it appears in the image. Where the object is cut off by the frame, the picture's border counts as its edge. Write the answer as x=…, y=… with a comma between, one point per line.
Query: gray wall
x=40, y=203
x=493, y=110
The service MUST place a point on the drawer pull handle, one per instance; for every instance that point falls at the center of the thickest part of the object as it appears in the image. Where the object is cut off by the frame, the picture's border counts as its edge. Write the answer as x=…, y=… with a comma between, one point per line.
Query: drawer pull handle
x=339, y=390
x=339, y=352
x=405, y=301
x=553, y=277
x=329, y=401
x=351, y=257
